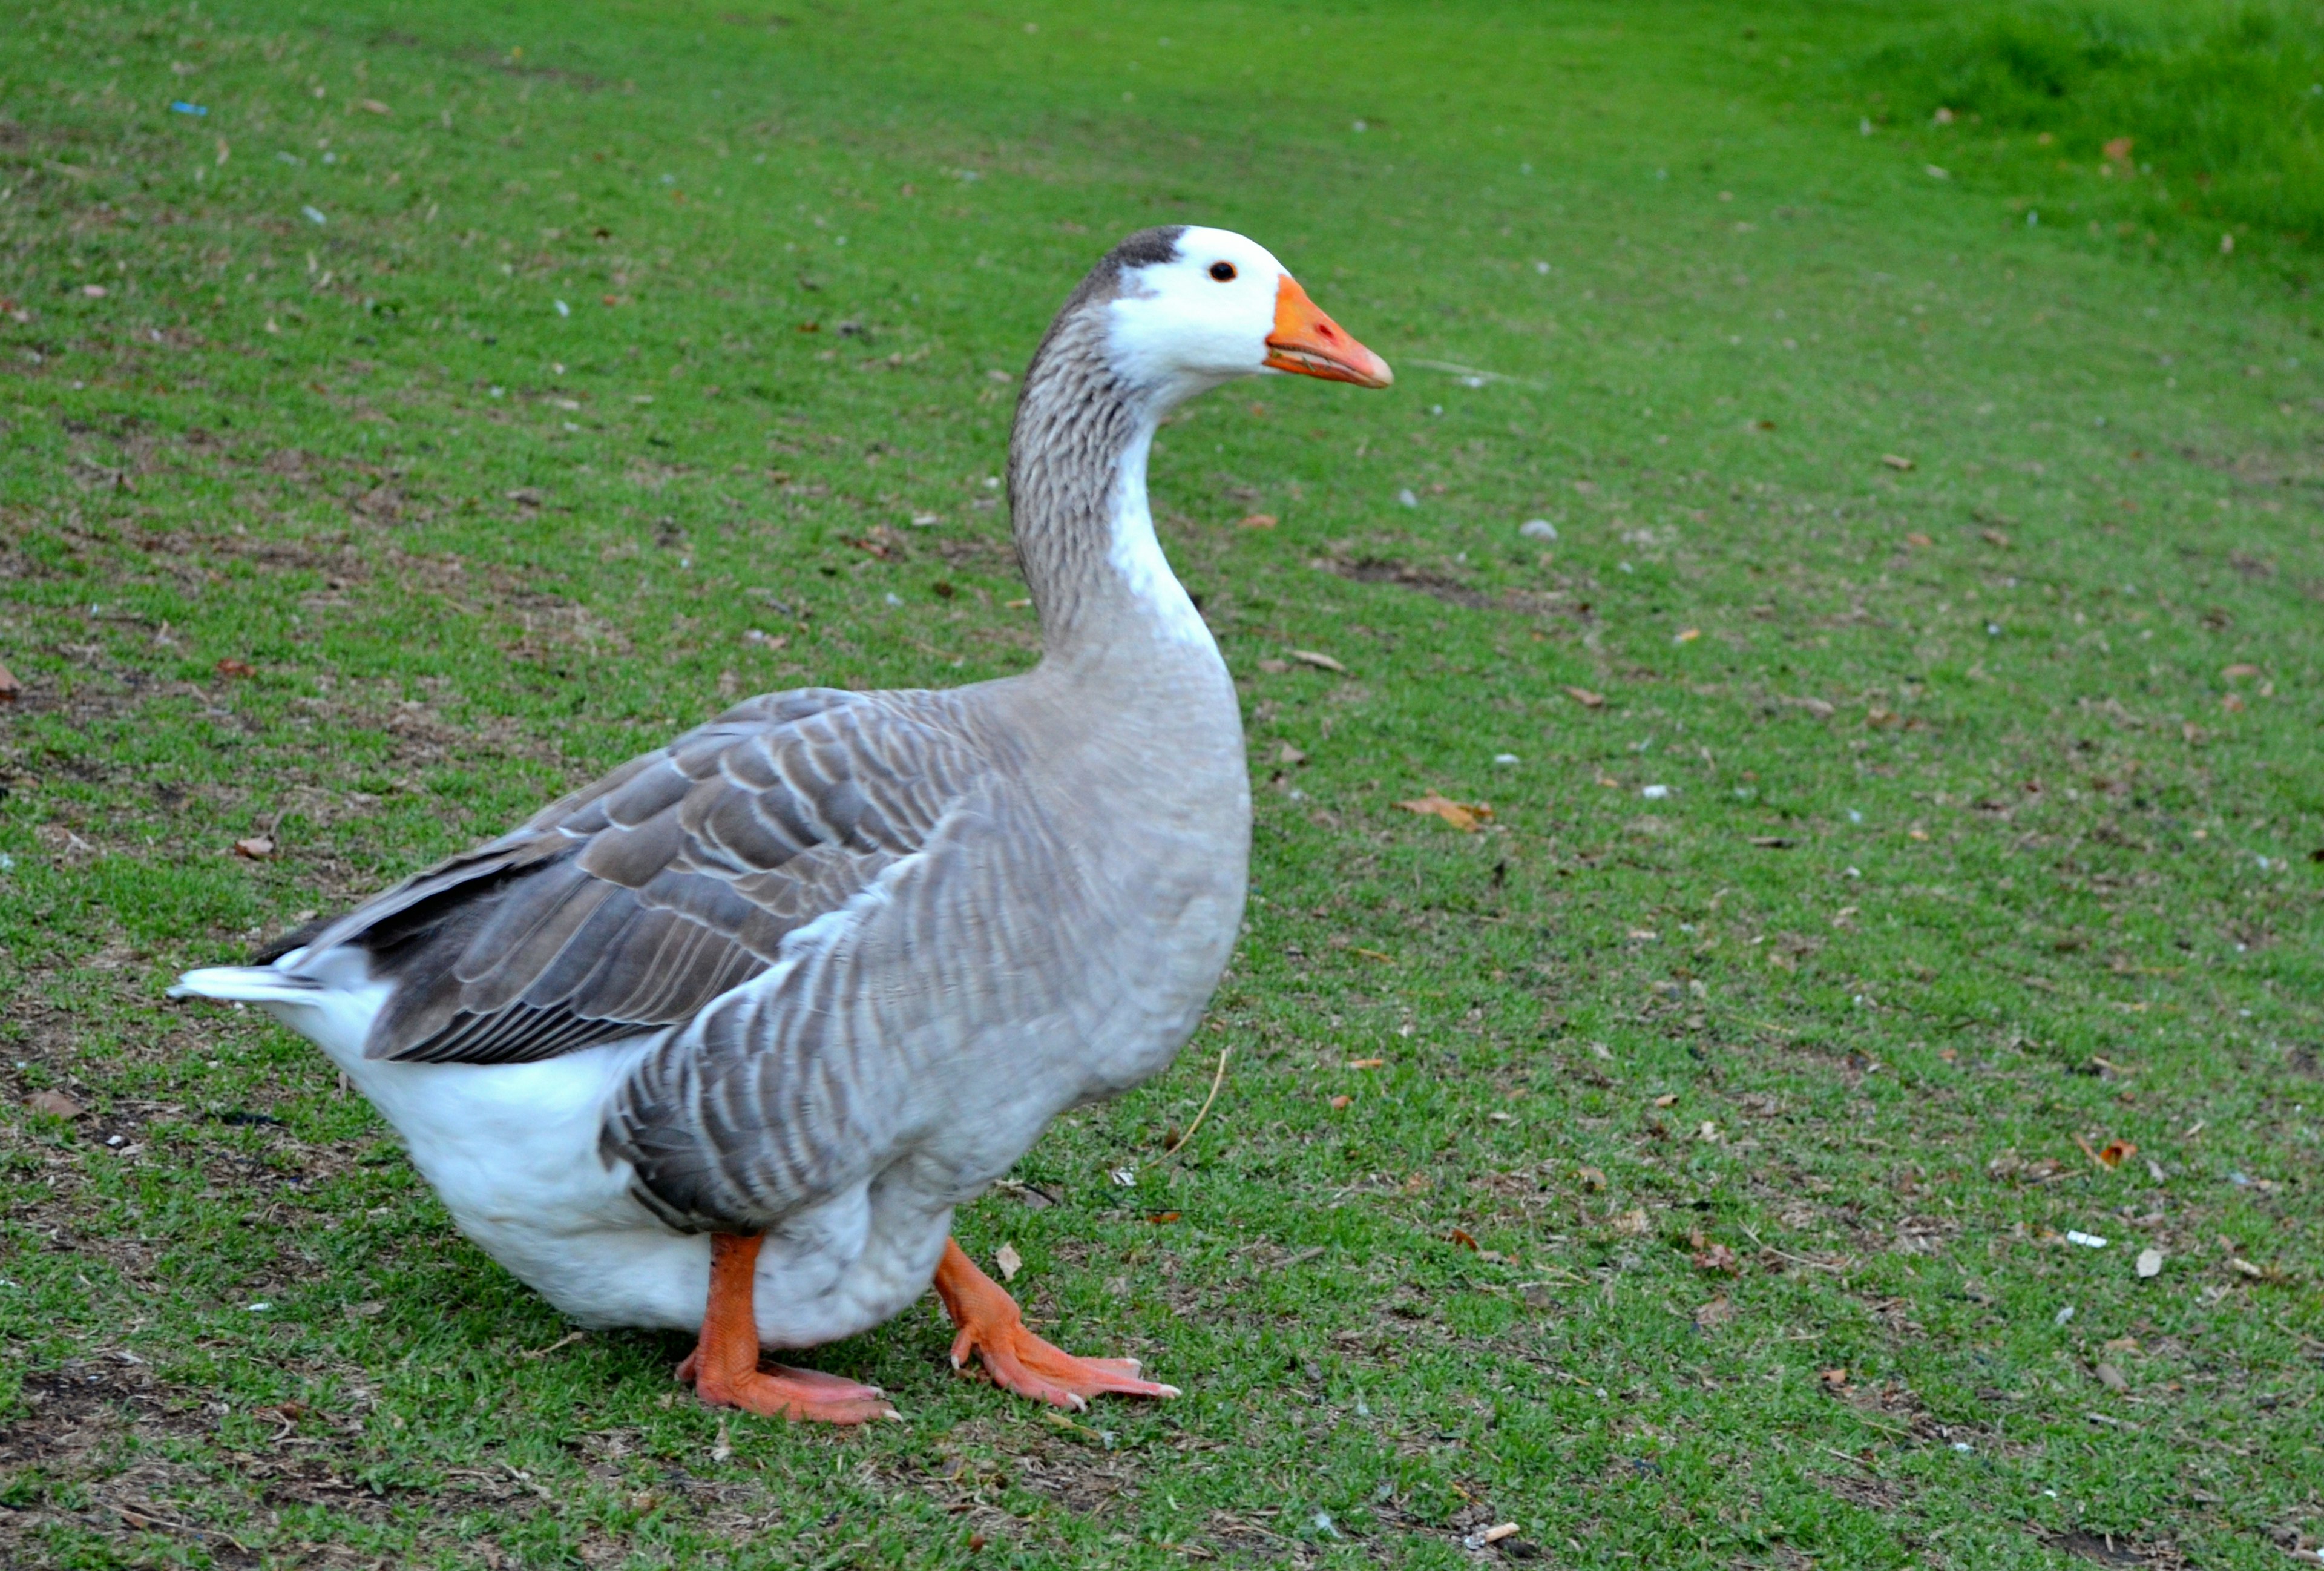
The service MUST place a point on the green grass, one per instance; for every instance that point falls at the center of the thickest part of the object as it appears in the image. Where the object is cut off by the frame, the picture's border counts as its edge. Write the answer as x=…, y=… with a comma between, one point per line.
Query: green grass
x=2206, y=117
x=1991, y=825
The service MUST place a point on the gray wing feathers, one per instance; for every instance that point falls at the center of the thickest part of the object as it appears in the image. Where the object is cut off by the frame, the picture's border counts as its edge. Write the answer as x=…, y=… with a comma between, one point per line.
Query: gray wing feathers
x=723, y=1133
x=633, y=904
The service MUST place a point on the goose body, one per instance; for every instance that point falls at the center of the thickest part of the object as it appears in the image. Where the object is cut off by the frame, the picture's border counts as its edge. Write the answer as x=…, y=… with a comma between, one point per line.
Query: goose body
x=724, y=1039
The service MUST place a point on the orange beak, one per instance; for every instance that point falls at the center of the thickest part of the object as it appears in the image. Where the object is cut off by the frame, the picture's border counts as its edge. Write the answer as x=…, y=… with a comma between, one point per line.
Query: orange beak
x=1312, y=344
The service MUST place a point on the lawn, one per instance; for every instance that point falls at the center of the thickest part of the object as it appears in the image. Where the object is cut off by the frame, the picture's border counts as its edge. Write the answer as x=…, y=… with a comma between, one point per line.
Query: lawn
x=1901, y=869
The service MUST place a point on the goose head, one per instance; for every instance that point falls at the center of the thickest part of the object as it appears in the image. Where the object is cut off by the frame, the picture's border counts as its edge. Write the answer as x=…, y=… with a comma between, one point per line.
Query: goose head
x=1193, y=308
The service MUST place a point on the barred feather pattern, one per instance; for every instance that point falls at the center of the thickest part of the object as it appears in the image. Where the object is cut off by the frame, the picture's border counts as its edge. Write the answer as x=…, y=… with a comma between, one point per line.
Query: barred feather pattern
x=897, y=1020
x=632, y=904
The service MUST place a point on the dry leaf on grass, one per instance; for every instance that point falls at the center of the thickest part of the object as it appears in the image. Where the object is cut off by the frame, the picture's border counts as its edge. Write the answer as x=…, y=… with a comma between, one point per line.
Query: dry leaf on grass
x=1633, y=1222
x=9, y=686
x=1259, y=520
x=55, y=1104
x=1010, y=1262
x=1715, y=1314
x=1462, y=815
x=257, y=847
x=1463, y=1237
x=1896, y=461
x=1319, y=659
x=1288, y=755
x=232, y=668
x=2113, y=1379
x=1586, y=698
x=1716, y=1258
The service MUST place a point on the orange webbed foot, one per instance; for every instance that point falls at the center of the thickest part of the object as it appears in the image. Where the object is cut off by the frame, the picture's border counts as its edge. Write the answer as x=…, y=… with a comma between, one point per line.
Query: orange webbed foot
x=780, y=1391
x=1020, y=1362
x=992, y=1328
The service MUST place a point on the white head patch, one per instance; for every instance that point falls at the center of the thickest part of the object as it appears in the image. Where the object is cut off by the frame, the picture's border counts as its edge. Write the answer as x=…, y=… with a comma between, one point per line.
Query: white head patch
x=1183, y=327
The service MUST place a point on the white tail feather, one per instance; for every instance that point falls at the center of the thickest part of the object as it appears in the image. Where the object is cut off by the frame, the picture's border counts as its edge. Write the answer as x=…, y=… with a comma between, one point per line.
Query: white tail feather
x=248, y=984
x=330, y=998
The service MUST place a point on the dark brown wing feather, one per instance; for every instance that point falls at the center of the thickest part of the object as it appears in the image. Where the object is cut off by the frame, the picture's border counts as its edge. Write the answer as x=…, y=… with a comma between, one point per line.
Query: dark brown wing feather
x=633, y=902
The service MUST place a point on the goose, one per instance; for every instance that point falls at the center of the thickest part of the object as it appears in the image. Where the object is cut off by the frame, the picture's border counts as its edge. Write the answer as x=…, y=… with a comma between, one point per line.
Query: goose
x=721, y=1042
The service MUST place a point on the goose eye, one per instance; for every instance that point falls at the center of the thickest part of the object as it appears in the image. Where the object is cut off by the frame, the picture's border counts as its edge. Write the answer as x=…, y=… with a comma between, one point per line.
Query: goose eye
x=1222, y=271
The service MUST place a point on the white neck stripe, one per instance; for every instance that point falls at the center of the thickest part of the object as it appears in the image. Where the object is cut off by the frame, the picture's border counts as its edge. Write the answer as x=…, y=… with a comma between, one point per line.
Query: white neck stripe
x=1135, y=553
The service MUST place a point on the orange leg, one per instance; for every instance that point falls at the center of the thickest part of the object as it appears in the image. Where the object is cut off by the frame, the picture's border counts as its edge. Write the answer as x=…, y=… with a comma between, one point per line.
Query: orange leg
x=725, y=1365
x=991, y=1325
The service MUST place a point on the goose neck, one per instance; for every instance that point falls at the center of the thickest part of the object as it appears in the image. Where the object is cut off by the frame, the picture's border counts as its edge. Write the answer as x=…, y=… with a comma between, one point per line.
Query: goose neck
x=1084, y=529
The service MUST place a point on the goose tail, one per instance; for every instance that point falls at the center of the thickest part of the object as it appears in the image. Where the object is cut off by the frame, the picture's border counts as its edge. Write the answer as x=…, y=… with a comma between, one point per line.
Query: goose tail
x=248, y=984
x=330, y=997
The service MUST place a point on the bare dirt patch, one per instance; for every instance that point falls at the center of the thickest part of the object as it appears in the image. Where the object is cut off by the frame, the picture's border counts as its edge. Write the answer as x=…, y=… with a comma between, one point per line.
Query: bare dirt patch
x=2108, y=1549
x=1556, y=602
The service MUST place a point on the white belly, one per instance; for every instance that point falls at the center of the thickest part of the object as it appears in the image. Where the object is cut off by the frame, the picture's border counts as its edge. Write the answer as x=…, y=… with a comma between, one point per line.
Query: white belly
x=511, y=1149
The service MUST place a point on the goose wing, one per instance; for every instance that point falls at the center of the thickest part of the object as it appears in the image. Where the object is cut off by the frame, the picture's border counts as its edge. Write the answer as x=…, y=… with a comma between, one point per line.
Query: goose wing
x=632, y=904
